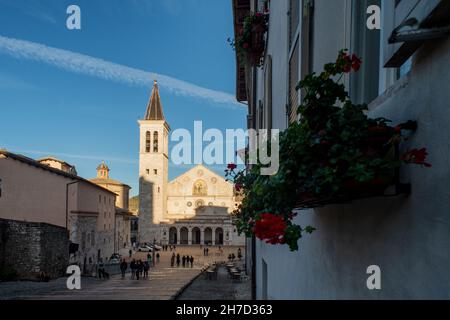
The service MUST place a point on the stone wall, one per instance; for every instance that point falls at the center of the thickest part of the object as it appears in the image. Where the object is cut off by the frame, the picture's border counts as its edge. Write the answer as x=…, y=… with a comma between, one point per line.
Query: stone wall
x=32, y=248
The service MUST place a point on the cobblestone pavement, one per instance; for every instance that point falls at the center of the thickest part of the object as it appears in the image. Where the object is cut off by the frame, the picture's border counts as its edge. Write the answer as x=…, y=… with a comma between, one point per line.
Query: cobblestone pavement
x=164, y=282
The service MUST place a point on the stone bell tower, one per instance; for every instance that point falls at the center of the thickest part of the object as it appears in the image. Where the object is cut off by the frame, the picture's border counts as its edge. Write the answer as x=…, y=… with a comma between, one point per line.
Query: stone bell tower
x=153, y=169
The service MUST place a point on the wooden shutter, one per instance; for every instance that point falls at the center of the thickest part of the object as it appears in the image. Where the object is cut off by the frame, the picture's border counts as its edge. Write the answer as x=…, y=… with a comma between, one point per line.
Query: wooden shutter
x=293, y=81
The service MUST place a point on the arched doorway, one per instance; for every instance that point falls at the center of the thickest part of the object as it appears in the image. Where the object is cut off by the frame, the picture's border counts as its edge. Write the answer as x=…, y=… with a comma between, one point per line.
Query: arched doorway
x=173, y=235
x=184, y=233
x=196, y=235
x=208, y=236
x=219, y=236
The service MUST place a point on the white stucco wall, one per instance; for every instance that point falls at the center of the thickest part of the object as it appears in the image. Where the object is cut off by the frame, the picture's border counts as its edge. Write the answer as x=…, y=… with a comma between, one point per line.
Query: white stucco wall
x=407, y=236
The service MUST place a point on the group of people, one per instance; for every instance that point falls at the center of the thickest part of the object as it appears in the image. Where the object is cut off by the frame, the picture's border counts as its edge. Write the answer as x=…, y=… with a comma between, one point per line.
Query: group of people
x=205, y=251
x=232, y=257
x=138, y=269
x=185, y=261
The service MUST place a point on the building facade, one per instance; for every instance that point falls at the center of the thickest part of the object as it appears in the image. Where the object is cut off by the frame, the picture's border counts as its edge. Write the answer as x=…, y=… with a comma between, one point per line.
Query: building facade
x=123, y=216
x=406, y=237
x=47, y=193
x=194, y=208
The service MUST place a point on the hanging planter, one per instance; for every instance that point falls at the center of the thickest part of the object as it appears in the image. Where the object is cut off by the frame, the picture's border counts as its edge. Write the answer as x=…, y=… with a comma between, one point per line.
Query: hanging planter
x=334, y=154
x=250, y=43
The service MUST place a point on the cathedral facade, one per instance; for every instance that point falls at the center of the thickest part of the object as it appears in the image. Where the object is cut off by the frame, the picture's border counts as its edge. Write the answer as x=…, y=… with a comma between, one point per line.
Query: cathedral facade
x=194, y=208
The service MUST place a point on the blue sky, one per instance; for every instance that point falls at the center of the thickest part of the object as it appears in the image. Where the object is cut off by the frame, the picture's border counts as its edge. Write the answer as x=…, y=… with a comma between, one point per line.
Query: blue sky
x=83, y=117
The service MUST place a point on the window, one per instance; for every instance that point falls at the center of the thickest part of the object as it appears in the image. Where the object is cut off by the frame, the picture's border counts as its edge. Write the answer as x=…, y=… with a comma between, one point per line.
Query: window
x=155, y=141
x=104, y=227
x=148, y=171
x=100, y=198
x=147, y=141
x=93, y=238
x=104, y=199
x=155, y=171
x=399, y=43
x=104, y=215
x=364, y=85
x=199, y=204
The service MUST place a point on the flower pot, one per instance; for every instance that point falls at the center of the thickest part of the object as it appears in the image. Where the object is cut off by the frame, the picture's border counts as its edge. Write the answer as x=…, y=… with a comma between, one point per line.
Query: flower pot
x=257, y=44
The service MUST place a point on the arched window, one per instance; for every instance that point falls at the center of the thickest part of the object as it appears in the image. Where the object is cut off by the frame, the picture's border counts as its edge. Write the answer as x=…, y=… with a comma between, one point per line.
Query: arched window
x=147, y=141
x=155, y=141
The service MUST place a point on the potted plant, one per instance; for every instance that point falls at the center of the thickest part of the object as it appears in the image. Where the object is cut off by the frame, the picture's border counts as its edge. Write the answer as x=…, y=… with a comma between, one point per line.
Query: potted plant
x=250, y=42
x=334, y=153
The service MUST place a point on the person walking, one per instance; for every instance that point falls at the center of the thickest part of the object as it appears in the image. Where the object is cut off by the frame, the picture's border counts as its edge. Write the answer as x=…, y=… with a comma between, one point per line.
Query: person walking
x=123, y=268
x=146, y=267
x=149, y=259
x=178, y=260
x=130, y=253
x=184, y=261
x=192, y=261
x=157, y=257
x=207, y=251
x=133, y=269
x=138, y=269
x=172, y=260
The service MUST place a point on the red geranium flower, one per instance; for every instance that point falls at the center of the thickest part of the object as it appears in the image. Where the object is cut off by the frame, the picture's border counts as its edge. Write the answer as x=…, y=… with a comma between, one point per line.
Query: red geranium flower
x=238, y=187
x=417, y=156
x=356, y=63
x=270, y=228
x=231, y=166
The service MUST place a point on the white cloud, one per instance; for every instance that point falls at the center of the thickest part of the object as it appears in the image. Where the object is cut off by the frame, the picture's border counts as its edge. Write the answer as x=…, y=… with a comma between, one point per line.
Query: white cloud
x=95, y=67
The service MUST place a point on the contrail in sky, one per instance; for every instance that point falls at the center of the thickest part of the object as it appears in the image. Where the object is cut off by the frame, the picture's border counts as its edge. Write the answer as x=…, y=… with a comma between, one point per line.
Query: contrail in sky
x=95, y=67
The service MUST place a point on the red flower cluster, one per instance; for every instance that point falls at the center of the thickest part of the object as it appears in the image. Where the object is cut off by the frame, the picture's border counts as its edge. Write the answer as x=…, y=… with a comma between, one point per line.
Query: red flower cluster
x=270, y=228
x=238, y=187
x=417, y=156
x=349, y=63
x=231, y=166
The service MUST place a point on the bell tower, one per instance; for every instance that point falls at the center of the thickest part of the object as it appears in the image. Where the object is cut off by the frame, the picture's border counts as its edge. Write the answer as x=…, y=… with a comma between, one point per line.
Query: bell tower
x=153, y=169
